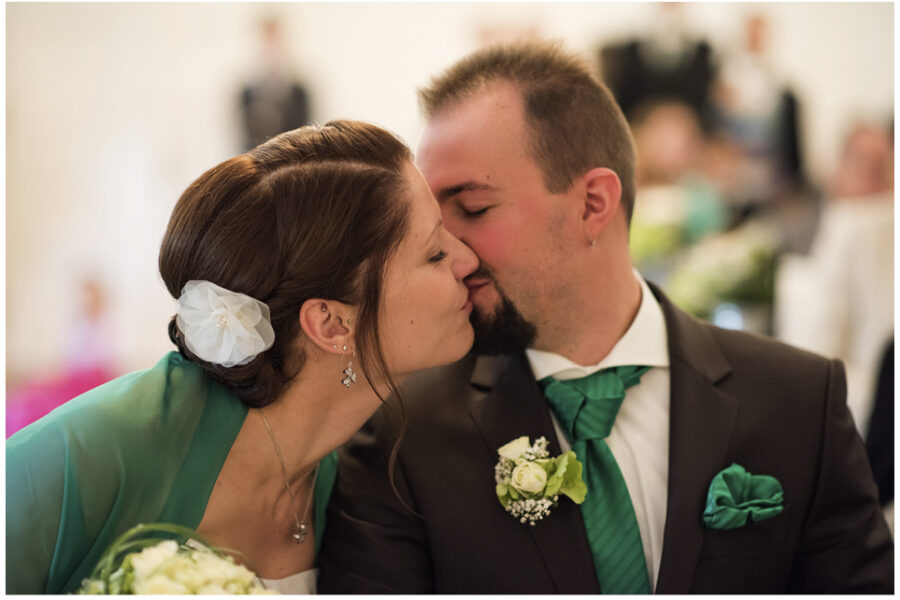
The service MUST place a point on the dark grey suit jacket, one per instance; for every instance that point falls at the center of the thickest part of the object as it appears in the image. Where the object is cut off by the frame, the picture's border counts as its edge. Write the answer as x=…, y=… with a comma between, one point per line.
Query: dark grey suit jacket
x=735, y=397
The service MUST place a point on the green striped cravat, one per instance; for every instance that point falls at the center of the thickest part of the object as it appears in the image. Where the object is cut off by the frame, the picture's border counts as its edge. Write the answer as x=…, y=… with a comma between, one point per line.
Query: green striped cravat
x=586, y=409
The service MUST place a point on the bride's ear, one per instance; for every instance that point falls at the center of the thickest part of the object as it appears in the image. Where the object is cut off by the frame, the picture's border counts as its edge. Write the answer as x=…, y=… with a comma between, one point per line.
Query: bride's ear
x=328, y=324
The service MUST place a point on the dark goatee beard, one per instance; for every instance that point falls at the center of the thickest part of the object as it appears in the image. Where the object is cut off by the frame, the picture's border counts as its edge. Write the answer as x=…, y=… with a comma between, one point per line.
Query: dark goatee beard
x=505, y=332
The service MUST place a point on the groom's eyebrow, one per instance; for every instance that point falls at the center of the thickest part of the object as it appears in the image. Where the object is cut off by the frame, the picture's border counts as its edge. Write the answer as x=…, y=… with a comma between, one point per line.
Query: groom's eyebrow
x=449, y=192
x=435, y=230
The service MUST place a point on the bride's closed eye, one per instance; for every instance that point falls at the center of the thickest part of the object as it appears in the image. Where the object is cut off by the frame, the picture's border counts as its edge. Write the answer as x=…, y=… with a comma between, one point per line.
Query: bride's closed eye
x=441, y=255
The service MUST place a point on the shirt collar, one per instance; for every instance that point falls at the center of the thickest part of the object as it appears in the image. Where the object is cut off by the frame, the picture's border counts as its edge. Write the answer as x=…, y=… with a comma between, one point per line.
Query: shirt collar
x=644, y=343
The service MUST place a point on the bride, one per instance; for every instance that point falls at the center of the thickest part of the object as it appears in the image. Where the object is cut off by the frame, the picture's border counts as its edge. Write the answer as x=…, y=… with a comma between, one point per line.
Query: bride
x=311, y=274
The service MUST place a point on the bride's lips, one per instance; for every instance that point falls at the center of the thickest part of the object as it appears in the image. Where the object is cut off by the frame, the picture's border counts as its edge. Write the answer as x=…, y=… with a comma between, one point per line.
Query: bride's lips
x=474, y=285
x=466, y=304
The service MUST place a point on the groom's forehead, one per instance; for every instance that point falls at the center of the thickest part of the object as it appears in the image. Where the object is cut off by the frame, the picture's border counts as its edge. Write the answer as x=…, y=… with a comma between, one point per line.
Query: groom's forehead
x=457, y=152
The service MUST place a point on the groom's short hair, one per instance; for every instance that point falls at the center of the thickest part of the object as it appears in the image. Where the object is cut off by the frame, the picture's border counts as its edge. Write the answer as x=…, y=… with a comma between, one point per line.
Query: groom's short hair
x=573, y=121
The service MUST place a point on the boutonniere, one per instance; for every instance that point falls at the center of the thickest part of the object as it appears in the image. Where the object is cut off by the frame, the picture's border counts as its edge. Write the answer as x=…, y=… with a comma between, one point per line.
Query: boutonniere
x=530, y=482
x=737, y=498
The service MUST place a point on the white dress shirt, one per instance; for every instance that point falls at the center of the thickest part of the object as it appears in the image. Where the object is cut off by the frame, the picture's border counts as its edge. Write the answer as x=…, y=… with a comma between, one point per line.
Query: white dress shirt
x=639, y=439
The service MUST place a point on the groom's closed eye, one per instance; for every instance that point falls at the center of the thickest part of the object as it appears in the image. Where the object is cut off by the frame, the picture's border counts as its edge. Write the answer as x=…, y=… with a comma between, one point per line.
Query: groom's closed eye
x=474, y=212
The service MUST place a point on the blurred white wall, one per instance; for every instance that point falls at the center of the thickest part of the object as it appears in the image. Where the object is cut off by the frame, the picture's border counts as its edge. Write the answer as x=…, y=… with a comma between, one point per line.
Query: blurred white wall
x=112, y=109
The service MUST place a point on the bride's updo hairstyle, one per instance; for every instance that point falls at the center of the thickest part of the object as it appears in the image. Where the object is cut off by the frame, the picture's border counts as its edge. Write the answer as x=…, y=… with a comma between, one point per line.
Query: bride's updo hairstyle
x=312, y=213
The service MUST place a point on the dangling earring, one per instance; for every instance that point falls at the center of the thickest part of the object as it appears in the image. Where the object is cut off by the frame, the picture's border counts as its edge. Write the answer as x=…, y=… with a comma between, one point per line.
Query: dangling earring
x=592, y=240
x=349, y=373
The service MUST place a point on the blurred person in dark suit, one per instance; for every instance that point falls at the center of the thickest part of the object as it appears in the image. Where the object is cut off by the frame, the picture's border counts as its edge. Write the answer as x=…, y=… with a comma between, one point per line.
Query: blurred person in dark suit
x=668, y=64
x=752, y=108
x=275, y=100
x=677, y=423
x=880, y=439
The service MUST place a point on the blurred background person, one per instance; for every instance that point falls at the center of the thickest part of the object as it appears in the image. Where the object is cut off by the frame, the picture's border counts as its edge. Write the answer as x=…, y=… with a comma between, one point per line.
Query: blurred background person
x=839, y=299
x=676, y=204
x=275, y=100
x=756, y=112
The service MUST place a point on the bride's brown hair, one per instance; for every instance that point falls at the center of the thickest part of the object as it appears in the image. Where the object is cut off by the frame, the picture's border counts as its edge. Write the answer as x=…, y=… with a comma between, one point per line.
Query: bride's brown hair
x=312, y=213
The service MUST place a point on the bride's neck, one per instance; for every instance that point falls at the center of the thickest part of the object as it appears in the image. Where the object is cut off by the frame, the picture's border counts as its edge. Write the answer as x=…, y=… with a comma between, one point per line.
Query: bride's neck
x=314, y=415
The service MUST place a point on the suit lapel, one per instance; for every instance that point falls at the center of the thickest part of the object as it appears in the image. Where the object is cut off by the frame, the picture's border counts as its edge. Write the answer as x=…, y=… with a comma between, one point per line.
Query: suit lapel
x=507, y=403
x=702, y=418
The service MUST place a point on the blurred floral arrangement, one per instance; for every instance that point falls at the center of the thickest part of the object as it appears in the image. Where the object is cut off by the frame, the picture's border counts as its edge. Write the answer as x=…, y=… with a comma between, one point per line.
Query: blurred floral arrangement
x=138, y=563
x=678, y=238
x=670, y=218
x=737, y=266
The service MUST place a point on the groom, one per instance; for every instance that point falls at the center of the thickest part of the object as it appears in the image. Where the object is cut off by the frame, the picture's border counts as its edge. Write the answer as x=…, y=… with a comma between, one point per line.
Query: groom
x=532, y=163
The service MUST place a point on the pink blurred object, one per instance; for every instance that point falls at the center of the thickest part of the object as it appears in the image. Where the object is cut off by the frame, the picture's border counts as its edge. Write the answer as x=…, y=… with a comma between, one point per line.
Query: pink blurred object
x=89, y=361
x=33, y=400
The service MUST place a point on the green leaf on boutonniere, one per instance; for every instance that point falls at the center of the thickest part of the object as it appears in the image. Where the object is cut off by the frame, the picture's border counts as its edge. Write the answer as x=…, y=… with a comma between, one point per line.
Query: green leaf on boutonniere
x=573, y=485
x=555, y=479
x=503, y=493
x=566, y=478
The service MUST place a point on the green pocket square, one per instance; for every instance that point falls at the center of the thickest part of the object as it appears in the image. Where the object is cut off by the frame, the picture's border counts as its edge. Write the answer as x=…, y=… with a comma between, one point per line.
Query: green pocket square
x=737, y=498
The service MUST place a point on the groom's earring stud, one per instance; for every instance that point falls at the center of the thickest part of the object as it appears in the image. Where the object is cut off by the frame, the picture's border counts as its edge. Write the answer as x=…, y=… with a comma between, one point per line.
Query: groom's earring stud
x=324, y=308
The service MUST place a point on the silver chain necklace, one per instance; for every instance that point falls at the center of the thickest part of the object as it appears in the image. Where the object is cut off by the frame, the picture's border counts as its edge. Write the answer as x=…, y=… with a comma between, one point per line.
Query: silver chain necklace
x=301, y=527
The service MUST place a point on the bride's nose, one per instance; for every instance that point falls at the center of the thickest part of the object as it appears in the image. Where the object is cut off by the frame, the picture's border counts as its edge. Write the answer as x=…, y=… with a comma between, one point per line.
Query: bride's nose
x=464, y=260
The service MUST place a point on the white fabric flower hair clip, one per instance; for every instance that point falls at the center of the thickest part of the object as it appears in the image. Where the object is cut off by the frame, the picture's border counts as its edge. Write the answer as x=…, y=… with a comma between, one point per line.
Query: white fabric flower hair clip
x=221, y=326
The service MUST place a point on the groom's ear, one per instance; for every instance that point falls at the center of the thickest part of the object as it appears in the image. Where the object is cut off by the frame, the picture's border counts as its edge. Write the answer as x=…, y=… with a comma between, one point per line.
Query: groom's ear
x=602, y=193
x=328, y=324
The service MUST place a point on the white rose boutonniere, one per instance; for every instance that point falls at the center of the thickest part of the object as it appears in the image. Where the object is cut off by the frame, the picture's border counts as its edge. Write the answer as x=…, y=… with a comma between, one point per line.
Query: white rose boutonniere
x=530, y=482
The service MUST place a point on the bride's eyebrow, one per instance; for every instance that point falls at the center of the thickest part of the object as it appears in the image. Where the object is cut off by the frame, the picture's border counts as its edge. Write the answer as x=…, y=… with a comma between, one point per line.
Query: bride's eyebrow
x=469, y=186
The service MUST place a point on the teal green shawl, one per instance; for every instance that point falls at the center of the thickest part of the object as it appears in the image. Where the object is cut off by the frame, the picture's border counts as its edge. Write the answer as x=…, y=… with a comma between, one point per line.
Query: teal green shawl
x=144, y=448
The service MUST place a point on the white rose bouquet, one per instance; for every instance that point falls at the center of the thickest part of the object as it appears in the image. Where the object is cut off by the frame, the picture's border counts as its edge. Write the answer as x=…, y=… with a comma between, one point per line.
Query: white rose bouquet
x=530, y=482
x=137, y=564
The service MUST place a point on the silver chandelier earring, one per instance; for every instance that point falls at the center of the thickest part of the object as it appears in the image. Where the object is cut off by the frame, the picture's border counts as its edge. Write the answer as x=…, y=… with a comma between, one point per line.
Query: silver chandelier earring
x=349, y=373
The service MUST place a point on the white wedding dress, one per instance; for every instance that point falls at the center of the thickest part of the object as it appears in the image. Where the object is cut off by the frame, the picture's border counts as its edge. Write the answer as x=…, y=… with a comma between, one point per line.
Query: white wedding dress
x=299, y=583
x=303, y=582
